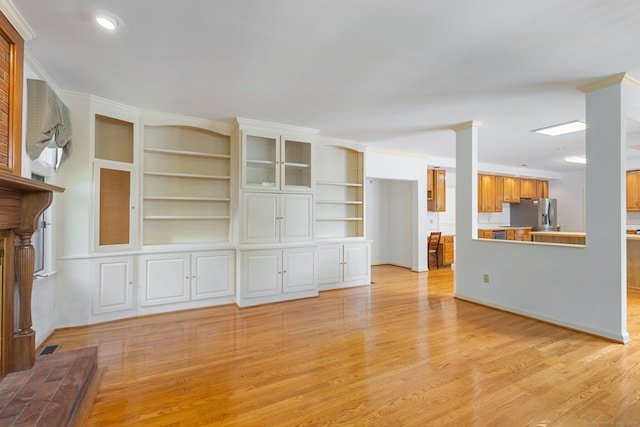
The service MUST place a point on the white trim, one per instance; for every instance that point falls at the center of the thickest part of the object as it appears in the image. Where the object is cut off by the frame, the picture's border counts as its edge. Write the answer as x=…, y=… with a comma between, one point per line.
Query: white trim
x=17, y=20
x=621, y=338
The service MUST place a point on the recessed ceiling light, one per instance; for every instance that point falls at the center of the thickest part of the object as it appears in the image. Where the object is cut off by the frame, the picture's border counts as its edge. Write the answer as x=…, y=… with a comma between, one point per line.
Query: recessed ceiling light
x=108, y=20
x=562, y=128
x=576, y=159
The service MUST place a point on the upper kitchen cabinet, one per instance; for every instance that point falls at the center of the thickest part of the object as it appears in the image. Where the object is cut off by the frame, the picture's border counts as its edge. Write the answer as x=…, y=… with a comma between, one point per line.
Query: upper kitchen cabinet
x=542, y=187
x=275, y=157
x=490, y=193
x=187, y=181
x=511, y=189
x=633, y=191
x=436, y=190
x=528, y=188
x=339, y=196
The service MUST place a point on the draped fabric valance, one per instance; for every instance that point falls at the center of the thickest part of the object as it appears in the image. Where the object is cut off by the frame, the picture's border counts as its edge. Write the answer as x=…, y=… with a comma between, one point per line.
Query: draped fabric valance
x=48, y=120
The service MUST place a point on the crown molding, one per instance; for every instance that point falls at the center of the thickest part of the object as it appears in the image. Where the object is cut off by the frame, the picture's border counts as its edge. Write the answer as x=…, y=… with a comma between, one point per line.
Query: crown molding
x=19, y=23
x=616, y=79
x=466, y=125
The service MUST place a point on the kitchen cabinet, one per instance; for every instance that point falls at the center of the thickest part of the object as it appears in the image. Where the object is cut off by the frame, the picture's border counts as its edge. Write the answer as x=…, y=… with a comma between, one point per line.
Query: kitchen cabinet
x=438, y=201
x=485, y=234
x=269, y=275
x=528, y=188
x=344, y=264
x=183, y=277
x=273, y=217
x=113, y=281
x=511, y=189
x=633, y=191
x=446, y=250
x=490, y=193
x=542, y=188
x=511, y=233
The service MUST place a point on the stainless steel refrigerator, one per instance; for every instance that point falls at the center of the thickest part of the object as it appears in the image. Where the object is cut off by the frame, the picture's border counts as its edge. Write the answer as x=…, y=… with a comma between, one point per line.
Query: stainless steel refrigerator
x=539, y=214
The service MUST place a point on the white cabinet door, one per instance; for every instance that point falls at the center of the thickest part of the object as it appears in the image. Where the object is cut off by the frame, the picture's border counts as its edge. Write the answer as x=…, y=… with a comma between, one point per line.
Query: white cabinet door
x=164, y=278
x=212, y=274
x=296, y=217
x=357, y=263
x=261, y=273
x=260, y=217
x=330, y=264
x=299, y=269
x=273, y=218
x=114, y=285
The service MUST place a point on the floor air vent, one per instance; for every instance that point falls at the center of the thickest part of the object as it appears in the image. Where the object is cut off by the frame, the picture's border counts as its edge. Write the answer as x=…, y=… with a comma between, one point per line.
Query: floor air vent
x=49, y=349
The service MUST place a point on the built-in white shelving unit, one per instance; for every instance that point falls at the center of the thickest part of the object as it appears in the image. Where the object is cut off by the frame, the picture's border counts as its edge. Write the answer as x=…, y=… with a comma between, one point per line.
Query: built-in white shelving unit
x=187, y=185
x=339, y=192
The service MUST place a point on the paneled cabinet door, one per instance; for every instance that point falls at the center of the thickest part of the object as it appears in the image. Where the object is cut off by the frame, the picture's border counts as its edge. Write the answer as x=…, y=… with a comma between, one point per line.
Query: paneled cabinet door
x=511, y=189
x=114, y=285
x=212, y=274
x=357, y=263
x=272, y=217
x=261, y=273
x=330, y=264
x=349, y=262
x=296, y=218
x=299, y=270
x=164, y=279
x=438, y=201
x=633, y=191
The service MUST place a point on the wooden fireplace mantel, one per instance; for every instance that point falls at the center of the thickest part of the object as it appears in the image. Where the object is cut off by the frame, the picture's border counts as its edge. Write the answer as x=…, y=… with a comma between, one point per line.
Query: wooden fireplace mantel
x=22, y=201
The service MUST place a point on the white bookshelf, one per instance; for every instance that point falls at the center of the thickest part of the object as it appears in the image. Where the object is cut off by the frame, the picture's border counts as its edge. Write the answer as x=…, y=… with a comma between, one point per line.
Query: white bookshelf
x=187, y=186
x=339, y=192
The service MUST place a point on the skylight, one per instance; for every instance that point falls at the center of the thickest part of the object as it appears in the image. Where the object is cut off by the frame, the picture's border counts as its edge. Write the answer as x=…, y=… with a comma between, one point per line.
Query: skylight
x=563, y=128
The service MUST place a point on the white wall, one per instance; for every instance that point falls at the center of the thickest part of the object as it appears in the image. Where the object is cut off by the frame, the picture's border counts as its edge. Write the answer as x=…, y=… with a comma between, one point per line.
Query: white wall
x=378, y=222
x=398, y=167
x=570, y=192
x=581, y=287
x=390, y=224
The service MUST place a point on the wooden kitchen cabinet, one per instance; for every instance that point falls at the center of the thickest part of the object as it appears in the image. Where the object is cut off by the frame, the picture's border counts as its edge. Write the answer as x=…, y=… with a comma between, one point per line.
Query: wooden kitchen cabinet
x=511, y=189
x=446, y=251
x=528, y=188
x=542, y=188
x=485, y=234
x=633, y=191
x=490, y=193
x=438, y=201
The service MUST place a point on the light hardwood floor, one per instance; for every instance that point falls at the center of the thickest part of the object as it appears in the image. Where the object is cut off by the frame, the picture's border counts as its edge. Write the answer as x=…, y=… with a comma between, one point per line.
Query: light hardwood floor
x=401, y=352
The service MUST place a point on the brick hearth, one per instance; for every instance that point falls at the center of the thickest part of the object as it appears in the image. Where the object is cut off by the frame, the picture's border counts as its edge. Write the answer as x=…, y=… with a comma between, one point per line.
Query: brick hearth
x=52, y=392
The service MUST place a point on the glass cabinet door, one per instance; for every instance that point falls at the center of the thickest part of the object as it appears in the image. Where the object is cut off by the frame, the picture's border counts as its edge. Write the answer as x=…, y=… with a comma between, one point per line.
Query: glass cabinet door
x=296, y=165
x=260, y=162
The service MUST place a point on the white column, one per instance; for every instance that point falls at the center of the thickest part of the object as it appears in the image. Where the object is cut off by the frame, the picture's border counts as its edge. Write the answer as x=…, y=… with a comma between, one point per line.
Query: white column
x=466, y=187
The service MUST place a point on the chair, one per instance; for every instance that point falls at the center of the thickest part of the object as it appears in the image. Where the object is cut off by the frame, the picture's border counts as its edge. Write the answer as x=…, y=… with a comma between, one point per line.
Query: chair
x=434, y=241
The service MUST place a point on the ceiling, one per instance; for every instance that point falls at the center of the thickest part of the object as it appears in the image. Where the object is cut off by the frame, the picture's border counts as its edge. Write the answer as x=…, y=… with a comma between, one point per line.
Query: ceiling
x=396, y=75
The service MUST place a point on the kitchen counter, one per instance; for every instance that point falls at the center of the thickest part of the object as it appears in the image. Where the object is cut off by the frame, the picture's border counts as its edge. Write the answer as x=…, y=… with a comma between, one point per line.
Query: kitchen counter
x=571, y=238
